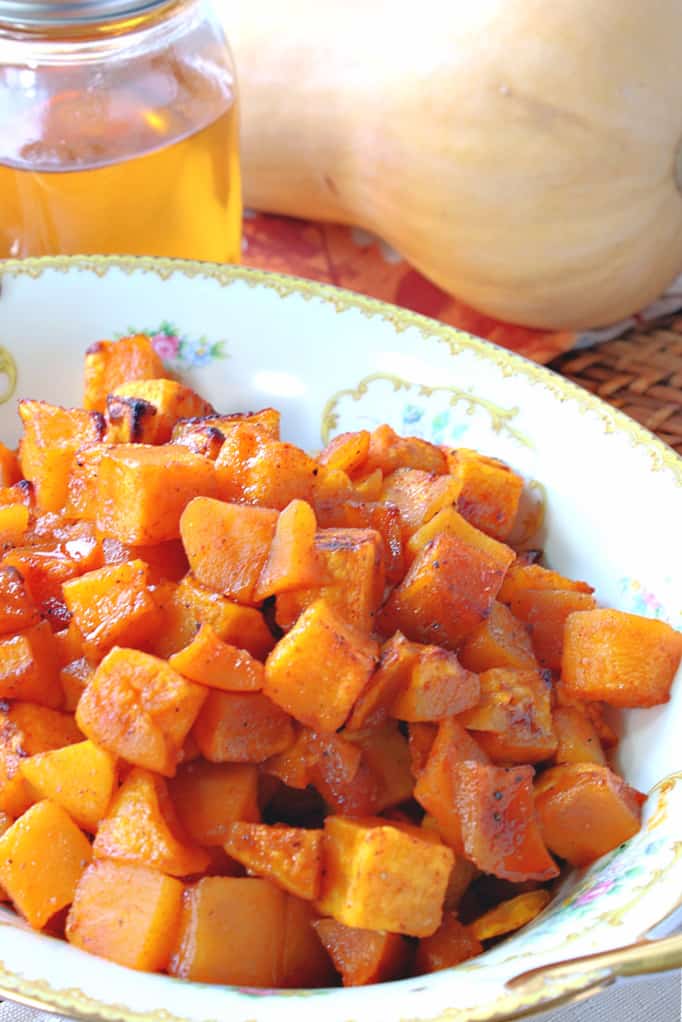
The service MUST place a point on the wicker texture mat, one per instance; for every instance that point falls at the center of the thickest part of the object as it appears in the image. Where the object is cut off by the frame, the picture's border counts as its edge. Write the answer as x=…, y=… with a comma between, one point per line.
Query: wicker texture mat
x=640, y=373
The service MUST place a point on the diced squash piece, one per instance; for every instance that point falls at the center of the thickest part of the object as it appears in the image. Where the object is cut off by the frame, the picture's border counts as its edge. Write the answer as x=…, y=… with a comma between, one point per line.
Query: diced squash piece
x=206, y=434
x=347, y=451
x=51, y=437
x=513, y=720
x=17, y=607
x=378, y=877
x=29, y=666
x=14, y=521
x=42, y=857
x=418, y=496
x=142, y=827
x=128, y=914
x=44, y=570
x=522, y=577
x=241, y=727
x=383, y=518
x=352, y=562
x=461, y=875
x=227, y=545
x=69, y=642
x=279, y=473
x=624, y=659
x=293, y=561
x=74, y=678
x=318, y=669
x=489, y=491
x=188, y=605
x=373, y=706
x=447, y=592
x=210, y=797
x=143, y=490
x=81, y=498
x=420, y=741
x=19, y=493
x=544, y=613
x=108, y=364
x=305, y=963
x=212, y=662
x=389, y=452
x=165, y=561
x=585, y=810
x=368, y=487
x=25, y=730
x=577, y=738
x=292, y=766
x=80, y=778
x=363, y=956
x=450, y=521
x=509, y=916
x=500, y=833
x=434, y=789
x=240, y=445
x=451, y=944
x=112, y=606
x=139, y=708
x=499, y=641
x=231, y=931
x=438, y=687
x=386, y=752
x=339, y=771
x=168, y=401
x=10, y=473
x=289, y=856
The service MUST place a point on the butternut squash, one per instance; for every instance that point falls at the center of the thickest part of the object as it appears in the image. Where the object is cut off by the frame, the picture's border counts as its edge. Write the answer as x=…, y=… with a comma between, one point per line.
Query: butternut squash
x=491, y=144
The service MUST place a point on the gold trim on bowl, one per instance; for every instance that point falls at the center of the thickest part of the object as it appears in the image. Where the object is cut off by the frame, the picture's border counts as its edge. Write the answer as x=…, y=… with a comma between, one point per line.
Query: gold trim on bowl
x=512, y=1004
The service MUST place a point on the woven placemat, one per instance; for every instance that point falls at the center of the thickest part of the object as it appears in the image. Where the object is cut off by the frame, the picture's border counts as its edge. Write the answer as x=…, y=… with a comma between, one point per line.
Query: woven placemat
x=640, y=373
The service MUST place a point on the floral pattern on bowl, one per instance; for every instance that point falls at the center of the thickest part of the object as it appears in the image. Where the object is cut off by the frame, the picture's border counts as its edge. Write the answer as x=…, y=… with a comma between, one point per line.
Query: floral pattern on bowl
x=178, y=351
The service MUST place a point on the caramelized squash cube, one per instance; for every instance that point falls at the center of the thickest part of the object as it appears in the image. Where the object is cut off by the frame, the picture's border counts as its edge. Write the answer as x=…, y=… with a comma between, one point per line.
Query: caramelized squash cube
x=513, y=721
x=80, y=778
x=29, y=666
x=438, y=687
x=25, y=730
x=210, y=797
x=108, y=364
x=363, y=956
x=241, y=727
x=499, y=641
x=17, y=607
x=130, y=422
x=488, y=491
x=209, y=661
x=290, y=857
x=451, y=944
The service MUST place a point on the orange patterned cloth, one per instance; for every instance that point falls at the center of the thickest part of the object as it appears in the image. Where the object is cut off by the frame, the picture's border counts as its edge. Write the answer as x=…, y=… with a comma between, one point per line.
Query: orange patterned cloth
x=349, y=257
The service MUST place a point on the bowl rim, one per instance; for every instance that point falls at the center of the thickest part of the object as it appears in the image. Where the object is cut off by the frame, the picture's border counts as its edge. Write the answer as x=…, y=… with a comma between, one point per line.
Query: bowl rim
x=39, y=994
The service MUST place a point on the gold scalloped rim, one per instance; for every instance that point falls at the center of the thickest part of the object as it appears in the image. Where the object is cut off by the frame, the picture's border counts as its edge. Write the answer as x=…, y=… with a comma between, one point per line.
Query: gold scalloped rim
x=38, y=993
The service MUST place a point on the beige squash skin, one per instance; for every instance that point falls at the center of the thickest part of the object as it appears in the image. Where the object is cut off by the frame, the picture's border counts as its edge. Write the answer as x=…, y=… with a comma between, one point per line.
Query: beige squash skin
x=521, y=153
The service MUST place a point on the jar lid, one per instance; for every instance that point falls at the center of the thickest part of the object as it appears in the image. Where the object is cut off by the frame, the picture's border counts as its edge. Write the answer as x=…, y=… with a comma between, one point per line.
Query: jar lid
x=67, y=12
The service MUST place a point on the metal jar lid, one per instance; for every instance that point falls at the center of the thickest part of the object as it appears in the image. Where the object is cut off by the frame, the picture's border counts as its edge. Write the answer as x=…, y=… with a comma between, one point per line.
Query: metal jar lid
x=69, y=12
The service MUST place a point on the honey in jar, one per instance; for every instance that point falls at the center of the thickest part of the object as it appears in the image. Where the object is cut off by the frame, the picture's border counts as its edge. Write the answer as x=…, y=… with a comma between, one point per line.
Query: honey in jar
x=119, y=130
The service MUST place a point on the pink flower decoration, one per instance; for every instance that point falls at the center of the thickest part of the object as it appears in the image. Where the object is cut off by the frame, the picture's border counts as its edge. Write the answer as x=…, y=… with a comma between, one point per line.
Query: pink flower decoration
x=165, y=346
x=594, y=892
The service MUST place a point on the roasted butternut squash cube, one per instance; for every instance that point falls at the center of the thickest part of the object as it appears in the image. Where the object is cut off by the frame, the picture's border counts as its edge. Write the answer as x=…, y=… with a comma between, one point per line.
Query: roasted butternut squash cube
x=74, y=678
x=52, y=435
x=448, y=520
x=185, y=607
x=10, y=473
x=368, y=514
x=392, y=675
x=29, y=666
x=500, y=832
x=112, y=606
x=142, y=827
x=42, y=857
x=585, y=810
x=451, y=944
x=293, y=561
x=165, y=561
x=544, y=613
x=523, y=577
x=108, y=364
x=513, y=720
x=81, y=498
x=340, y=772
x=129, y=420
x=577, y=737
x=389, y=452
x=347, y=451
x=128, y=914
x=44, y=569
x=143, y=490
x=318, y=669
x=209, y=661
x=210, y=797
x=231, y=931
x=378, y=877
x=289, y=856
x=447, y=592
x=499, y=641
x=206, y=434
x=511, y=915
x=227, y=545
x=25, y=730
x=489, y=491
x=420, y=739
x=139, y=708
x=80, y=778
x=438, y=687
x=363, y=956
x=17, y=607
x=278, y=473
x=14, y=522
x=352, y=564
x=241, y=727
x=624, y=659
x=418, y=496
x=305, y=963
x=386, y=753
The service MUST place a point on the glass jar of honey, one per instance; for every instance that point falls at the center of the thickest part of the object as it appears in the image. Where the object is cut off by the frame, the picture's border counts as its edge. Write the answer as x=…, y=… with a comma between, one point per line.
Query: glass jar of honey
x=118, y=130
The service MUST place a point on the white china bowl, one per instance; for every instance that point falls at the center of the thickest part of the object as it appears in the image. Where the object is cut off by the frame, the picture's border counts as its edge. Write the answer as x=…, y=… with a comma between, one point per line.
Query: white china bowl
x=333, y=361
